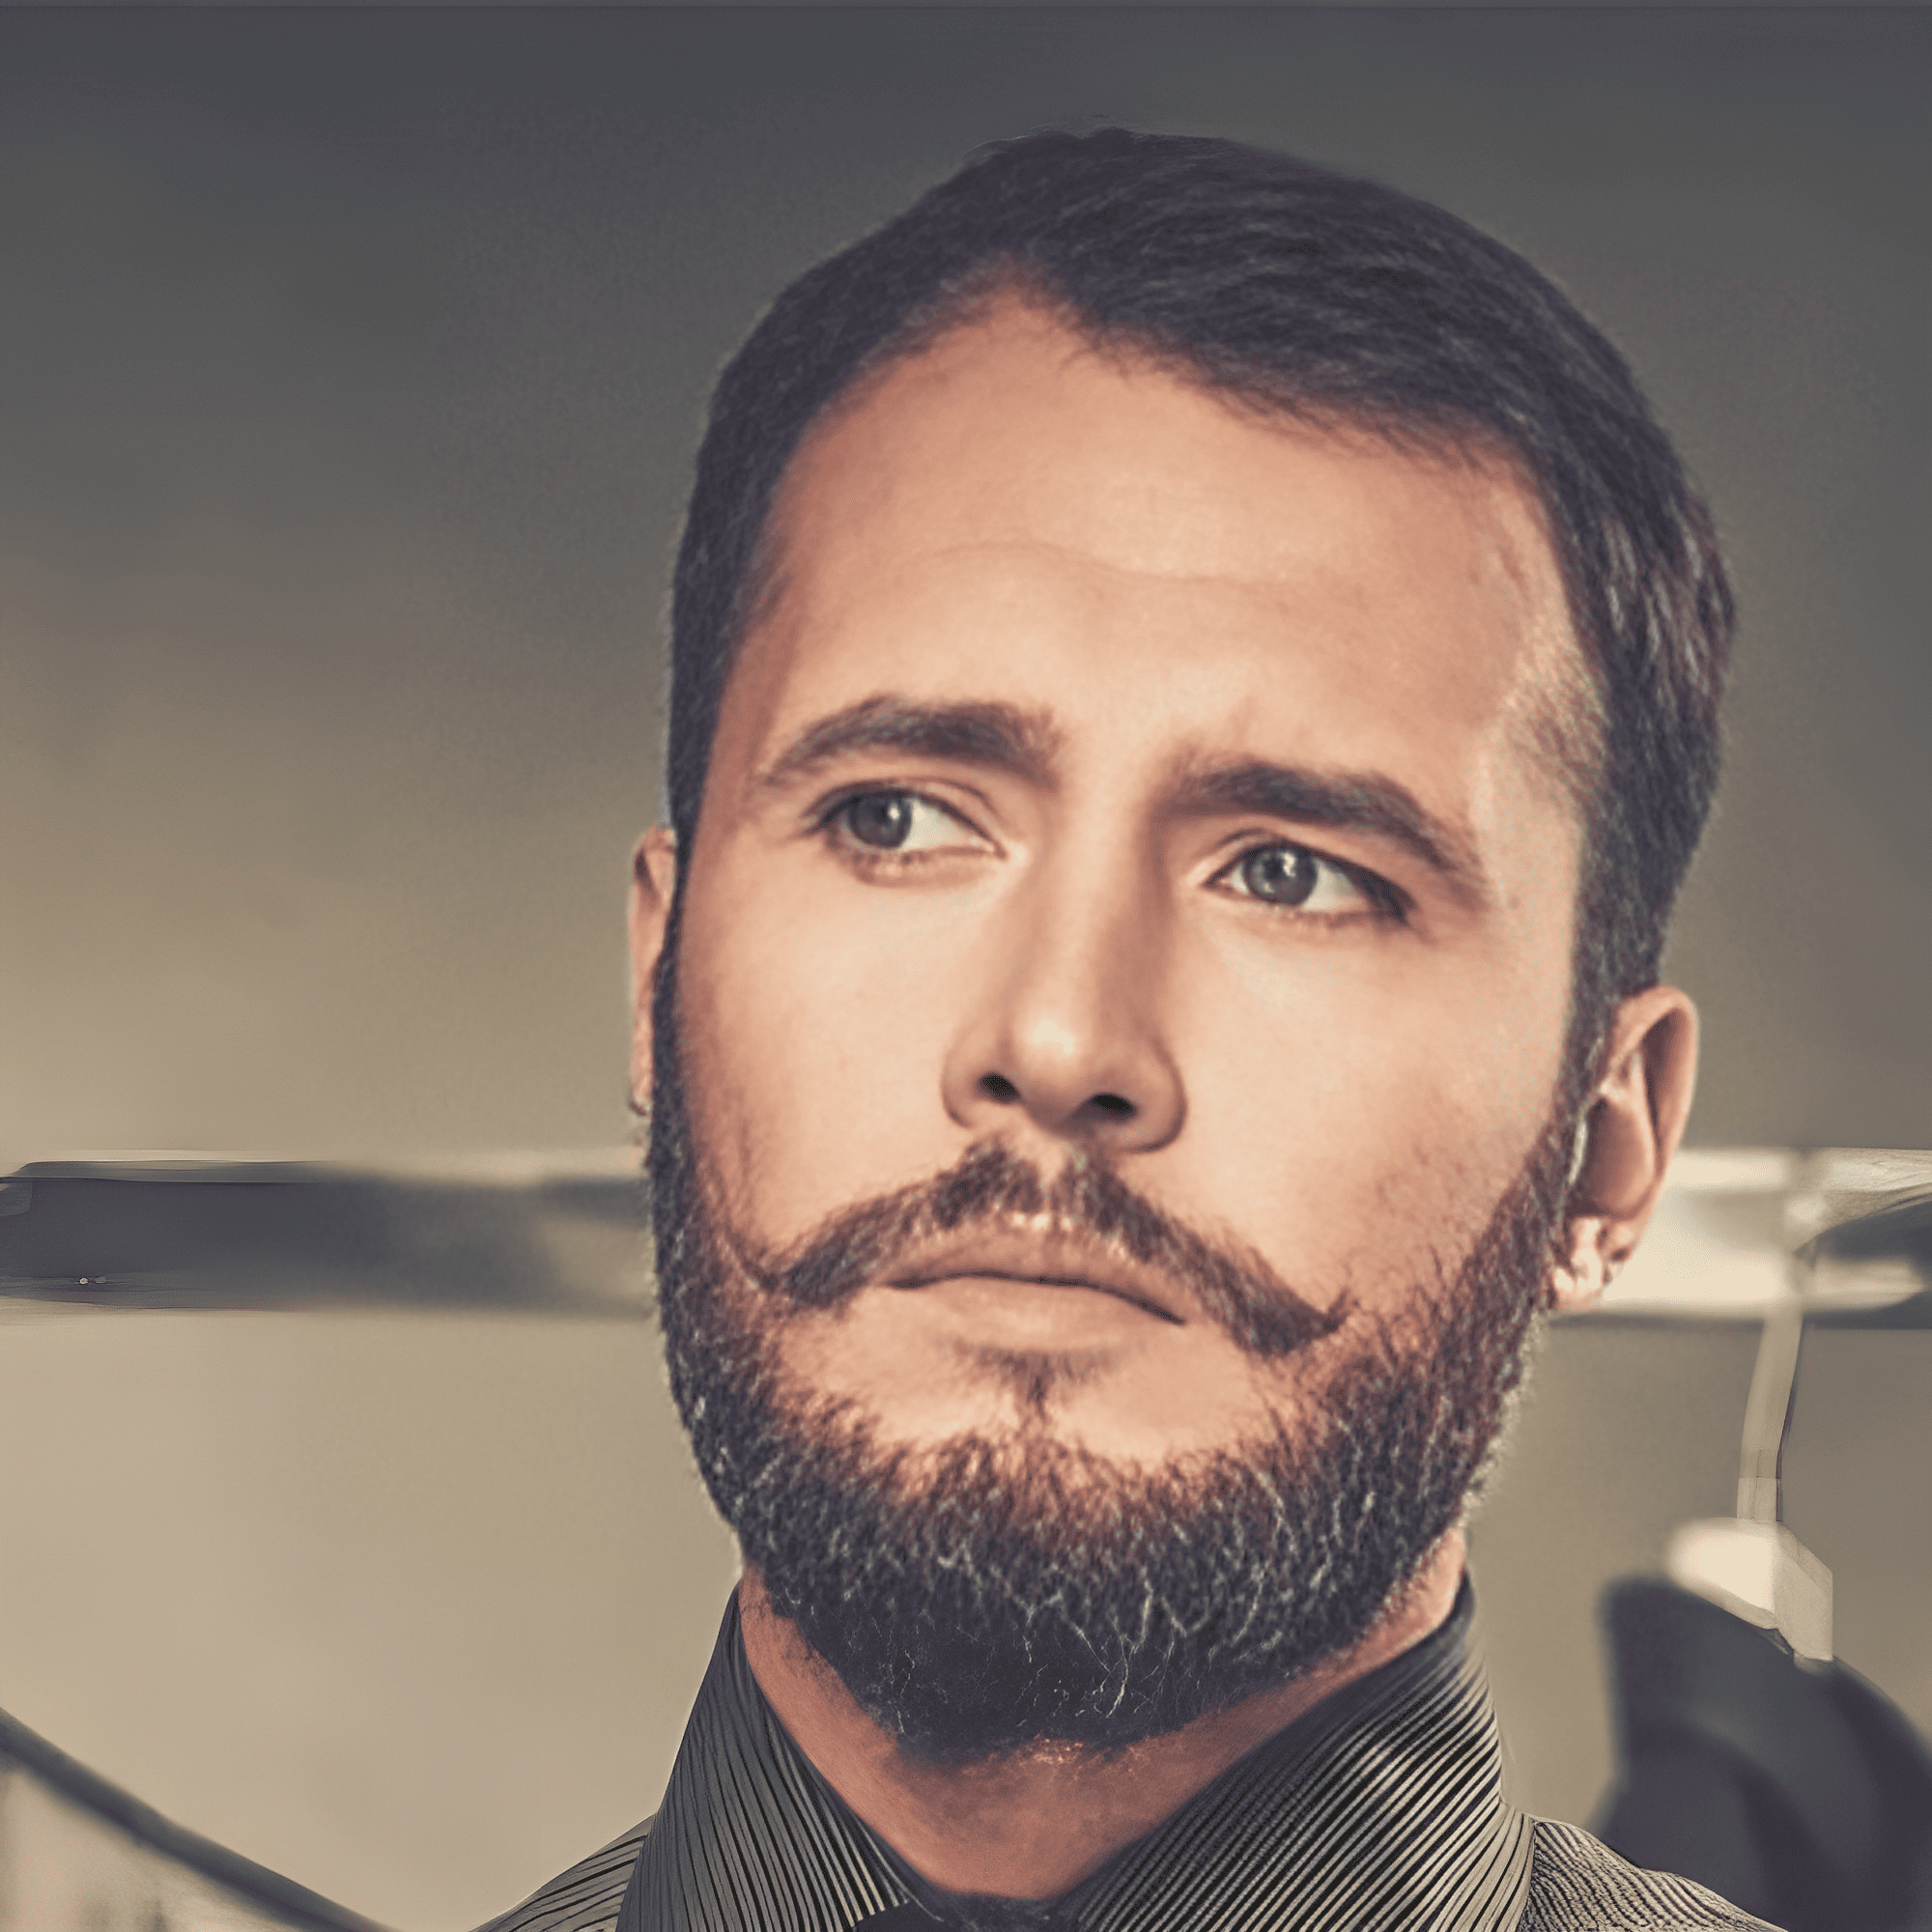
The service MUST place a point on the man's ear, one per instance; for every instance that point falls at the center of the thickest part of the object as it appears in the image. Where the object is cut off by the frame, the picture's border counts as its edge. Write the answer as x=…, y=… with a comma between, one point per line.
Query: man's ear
x=1629, y=1130
x=653, y=885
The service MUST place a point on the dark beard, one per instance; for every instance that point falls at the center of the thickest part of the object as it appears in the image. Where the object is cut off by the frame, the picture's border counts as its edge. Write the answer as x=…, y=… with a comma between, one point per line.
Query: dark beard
x=1002, y=1593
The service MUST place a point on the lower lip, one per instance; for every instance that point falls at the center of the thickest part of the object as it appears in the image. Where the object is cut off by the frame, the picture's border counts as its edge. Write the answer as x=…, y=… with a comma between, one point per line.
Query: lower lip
x=1039, y=1315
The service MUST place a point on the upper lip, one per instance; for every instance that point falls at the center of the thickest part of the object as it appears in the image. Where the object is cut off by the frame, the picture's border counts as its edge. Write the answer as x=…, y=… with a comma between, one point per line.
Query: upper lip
x=1053, y=1259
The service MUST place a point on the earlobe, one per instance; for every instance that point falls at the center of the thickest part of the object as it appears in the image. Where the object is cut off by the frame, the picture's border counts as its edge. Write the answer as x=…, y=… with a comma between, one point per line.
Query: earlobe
x=1631, y=1130
x=653, y=887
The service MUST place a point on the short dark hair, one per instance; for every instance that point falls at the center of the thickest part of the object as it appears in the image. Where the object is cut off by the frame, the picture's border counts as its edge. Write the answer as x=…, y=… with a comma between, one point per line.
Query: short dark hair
x=1310, y=292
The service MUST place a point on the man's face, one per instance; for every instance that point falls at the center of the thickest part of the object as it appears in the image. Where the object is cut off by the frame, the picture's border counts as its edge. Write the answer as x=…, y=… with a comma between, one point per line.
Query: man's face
x=1106, y=1138
x=1113, y=774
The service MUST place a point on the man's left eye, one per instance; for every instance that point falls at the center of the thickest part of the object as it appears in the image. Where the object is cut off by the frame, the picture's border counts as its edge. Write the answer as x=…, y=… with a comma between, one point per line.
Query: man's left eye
x=1302, y=881
x=897, y=821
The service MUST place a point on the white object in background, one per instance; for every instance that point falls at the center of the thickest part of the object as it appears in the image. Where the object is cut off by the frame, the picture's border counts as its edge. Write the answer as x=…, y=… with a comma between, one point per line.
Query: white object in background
x=1715, y=1244
x=1760, y=1572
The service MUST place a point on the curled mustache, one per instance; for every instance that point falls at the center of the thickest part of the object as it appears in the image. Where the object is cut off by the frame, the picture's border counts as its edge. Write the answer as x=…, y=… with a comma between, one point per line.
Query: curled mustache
x=990, y=1185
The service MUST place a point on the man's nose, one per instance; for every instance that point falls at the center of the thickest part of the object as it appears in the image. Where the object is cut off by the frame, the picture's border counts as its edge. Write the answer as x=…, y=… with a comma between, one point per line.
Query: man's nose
x=1065, y=1027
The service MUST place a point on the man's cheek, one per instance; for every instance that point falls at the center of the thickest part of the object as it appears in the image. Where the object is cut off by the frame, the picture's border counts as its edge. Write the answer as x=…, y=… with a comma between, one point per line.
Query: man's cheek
x=810, y=1086
x=1351, y=1172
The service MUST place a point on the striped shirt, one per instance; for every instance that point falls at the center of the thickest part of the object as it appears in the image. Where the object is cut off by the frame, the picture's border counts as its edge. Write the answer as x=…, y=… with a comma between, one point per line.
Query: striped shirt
x=1382, y=1809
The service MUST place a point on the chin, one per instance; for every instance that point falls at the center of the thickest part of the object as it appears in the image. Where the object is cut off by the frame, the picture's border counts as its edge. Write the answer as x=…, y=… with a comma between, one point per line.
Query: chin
x=993, y=1593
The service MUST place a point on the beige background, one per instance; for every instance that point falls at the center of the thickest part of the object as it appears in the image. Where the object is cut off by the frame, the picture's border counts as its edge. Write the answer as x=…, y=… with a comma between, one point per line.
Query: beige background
x=349, y=369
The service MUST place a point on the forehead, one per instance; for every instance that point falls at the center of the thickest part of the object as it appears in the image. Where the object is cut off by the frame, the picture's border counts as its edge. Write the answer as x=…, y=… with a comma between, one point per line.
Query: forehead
x=1011, y=502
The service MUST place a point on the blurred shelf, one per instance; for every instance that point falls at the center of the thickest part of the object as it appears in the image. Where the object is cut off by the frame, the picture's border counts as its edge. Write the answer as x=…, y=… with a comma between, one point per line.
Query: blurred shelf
x=1842, y=1235
x=542, y=1234
x=1738, y=1233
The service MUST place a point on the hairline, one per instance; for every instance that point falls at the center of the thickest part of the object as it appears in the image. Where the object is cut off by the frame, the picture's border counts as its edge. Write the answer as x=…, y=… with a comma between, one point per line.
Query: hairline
x=1563, y=731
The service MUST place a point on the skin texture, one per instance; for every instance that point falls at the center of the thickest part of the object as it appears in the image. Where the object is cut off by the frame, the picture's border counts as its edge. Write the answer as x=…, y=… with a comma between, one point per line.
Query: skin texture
x=1071, y=620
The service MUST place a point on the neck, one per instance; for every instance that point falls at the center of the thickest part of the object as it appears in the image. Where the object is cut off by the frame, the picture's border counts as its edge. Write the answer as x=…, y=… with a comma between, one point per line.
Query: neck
x=1034, y=1823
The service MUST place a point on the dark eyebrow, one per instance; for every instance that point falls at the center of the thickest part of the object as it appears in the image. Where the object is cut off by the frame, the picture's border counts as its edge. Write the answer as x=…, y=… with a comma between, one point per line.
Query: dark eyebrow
x=1350, y=801
x=1002, y=736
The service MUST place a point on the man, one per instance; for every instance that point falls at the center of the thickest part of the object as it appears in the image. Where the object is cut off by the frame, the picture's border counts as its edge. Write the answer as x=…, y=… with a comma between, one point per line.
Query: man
x=1194, y=690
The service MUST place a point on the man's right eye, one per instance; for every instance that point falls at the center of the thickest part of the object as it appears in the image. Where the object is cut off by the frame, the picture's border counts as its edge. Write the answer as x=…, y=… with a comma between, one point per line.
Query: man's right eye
x=896, y=822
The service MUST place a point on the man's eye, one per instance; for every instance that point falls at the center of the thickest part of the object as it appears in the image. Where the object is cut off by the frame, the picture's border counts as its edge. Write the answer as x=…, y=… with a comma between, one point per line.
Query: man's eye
x=1303, y=881
x=897, y=821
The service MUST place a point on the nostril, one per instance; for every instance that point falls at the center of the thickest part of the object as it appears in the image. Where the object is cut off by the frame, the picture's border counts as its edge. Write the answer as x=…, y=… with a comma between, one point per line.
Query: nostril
x=997, y=1087
x=1112, y=1103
